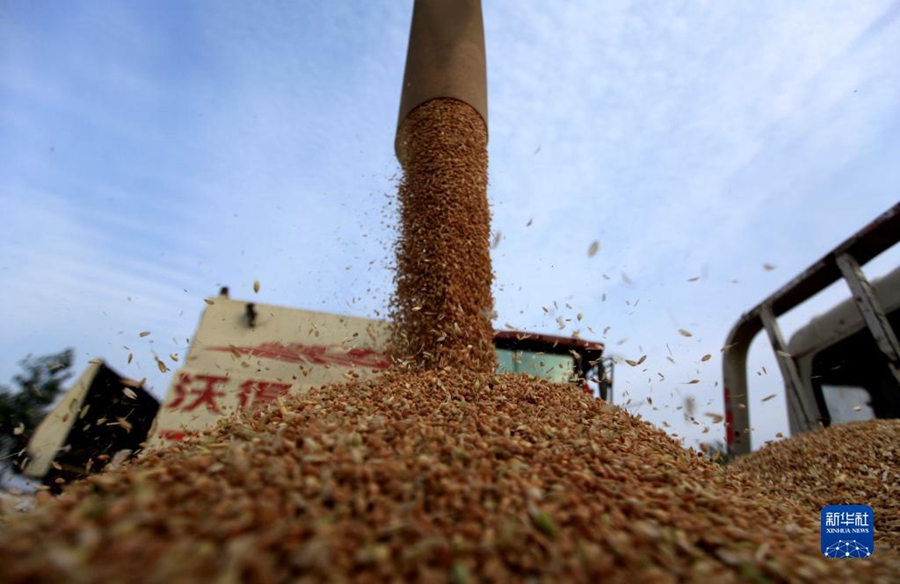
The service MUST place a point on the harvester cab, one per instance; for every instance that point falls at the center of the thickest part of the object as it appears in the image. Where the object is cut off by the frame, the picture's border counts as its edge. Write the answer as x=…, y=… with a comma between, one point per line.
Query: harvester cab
x=560, y=359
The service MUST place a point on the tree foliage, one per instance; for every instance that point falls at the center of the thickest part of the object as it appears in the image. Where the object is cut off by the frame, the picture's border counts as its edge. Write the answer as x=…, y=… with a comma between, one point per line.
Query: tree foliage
x=23, y=407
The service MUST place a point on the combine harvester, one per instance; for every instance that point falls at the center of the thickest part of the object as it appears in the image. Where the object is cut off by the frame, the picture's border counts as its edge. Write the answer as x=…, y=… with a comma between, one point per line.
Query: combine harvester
x=247, y=355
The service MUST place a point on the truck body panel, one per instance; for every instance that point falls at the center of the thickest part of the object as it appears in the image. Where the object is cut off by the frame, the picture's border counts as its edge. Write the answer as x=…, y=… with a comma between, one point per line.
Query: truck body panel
x=247, y=355
x=101, y=415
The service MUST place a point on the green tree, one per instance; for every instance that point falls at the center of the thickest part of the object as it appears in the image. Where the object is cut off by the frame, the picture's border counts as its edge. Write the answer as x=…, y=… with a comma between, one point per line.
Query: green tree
x=23, y=408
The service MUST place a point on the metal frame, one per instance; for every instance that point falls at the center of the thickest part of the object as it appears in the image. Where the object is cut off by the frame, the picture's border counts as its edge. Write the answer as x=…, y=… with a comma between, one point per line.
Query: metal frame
x=842, y=262
x=872, y=312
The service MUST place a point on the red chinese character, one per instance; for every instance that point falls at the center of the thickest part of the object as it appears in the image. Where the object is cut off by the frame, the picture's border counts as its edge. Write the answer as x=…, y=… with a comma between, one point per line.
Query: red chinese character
x=174, y=435
x=206, y=394
x=265, y=392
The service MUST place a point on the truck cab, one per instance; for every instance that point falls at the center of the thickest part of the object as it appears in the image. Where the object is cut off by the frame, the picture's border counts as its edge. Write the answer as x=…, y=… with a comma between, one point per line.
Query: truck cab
x=845, y=377
x=842, y=366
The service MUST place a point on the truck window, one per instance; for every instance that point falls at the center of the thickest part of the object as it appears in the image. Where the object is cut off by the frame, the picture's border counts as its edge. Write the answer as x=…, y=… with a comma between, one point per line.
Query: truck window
x=854, y=370
x=557, y=368
x=847, y=403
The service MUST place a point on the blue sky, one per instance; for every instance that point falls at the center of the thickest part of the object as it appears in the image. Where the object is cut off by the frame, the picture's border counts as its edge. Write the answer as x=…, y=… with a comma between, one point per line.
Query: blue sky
x=153, y=151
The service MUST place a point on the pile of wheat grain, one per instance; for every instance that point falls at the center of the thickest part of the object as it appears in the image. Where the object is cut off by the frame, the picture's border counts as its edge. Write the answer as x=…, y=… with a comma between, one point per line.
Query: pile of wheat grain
x=846, y=464
x=442, y=303
x=426, y=476
x=442, y=471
